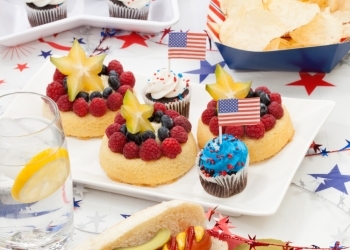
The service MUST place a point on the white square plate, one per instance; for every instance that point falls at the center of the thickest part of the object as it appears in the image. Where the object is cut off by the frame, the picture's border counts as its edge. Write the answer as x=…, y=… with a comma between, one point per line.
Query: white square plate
x=268, y=181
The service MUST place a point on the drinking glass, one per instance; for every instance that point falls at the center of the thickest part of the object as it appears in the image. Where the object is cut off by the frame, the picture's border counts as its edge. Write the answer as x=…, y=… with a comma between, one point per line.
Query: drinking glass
x=36, y=194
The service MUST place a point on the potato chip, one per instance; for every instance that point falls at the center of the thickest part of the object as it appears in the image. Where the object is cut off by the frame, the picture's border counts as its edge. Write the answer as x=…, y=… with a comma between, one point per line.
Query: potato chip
x=344, y=5
x=322, y=30
x=273, y=45
x=253, y=31
x=293, y=14
x=334, y=5
x=236, y=8
x=342, y=15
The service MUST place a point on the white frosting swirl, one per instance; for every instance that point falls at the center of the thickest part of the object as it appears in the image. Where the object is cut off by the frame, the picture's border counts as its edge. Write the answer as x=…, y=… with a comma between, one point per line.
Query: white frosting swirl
x=165, y=83
x=42, y=3
x=136, y=4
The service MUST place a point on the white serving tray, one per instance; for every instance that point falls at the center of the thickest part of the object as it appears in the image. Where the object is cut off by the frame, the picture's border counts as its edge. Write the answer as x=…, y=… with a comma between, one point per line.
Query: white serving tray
x=268, y=181
x=15, y=28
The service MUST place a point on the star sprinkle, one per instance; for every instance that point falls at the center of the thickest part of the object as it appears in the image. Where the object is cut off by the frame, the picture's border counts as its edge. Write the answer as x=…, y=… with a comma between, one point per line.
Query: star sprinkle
x=310, y=82
x=21, y=67
x=334, y=179
x=80, y=189
x=96, y=219
x=205, y=69
x=45, y=54
x=132, y=38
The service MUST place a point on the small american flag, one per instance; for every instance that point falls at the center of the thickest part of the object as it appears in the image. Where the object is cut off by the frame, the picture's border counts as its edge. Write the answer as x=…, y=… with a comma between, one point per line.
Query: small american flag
x=236, y=112
x=187, y=45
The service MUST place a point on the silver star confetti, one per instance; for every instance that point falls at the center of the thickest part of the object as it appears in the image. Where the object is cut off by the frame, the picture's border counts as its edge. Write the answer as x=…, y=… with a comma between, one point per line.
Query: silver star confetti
x=80, y=190
x=96, y=220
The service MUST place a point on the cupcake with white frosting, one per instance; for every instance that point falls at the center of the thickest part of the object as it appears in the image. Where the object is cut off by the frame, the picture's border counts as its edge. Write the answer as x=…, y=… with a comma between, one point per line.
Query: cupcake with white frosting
x=45, y=11
x=130, y=9
x=169, y=88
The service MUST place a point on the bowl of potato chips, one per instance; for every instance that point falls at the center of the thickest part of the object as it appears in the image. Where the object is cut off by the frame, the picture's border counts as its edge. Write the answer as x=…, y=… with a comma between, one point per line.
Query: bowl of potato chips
x=280, y=35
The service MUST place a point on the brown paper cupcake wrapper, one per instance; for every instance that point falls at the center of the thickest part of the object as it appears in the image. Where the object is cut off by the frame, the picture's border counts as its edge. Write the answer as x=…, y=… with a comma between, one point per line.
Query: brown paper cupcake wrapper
x=38, y=17
x=181, y=106
x=224, y=186
x=128, y=13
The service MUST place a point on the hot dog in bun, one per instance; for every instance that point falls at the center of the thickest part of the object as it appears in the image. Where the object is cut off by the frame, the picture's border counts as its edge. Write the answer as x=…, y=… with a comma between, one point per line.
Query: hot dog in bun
x=172, y=225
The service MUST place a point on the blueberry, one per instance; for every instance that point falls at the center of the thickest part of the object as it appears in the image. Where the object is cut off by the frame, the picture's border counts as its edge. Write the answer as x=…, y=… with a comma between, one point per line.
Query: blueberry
x=134, y=137
x=147, y=134
x=157, y=116
x=265, y=98
x=95, y=94
x=163, y=133
x=107, y=92
x=112, y=72
x=123, y=129
x=103, y=71
x=84, y=95
x=263, y=109
x=151, y=119
x=113, y=81
x=258, y=93
x=166, y=121
x=250, y=94
x=64, y=82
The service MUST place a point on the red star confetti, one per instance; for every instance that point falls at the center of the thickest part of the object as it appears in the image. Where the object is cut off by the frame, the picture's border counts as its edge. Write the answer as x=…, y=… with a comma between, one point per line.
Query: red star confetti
x=210, y=213
x=132, y=38
x=223, y=224
x=165, y=32
x=21, y=67
x=310, y=82
x=315, y=147
x=2, y=81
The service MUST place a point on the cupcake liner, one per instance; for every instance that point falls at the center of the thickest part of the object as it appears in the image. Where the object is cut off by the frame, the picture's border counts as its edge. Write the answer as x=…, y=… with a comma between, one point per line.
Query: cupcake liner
x=129, y=13
x=38, y=17
x=224, y=186
x=181, y=106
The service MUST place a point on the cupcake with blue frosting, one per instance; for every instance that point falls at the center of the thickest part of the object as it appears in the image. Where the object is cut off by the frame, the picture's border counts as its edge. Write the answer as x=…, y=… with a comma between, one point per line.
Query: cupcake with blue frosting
x=223, y=166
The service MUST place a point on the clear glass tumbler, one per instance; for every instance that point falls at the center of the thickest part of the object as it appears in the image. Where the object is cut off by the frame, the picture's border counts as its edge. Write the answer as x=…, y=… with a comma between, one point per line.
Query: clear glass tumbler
x=36, y=194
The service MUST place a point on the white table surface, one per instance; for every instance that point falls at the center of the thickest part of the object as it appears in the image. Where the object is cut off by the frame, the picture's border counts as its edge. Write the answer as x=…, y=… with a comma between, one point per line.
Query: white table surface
x=307, y=214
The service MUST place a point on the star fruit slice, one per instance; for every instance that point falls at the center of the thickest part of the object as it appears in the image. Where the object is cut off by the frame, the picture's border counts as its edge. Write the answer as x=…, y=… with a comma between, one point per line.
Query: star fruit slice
x=82, y=72
x=225, y=87
x=136, y=114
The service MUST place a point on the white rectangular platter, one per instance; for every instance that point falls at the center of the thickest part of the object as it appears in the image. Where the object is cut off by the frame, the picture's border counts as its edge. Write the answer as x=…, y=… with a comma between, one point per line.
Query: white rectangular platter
x=15, y=28
x=268, y=181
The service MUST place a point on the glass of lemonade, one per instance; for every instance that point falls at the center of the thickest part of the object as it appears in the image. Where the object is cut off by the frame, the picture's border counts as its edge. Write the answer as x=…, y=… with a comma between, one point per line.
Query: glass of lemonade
x=36, y=194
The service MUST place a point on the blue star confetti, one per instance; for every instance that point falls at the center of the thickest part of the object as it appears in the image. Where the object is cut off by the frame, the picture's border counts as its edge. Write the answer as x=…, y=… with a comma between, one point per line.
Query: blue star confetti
x=334, y=179
x=80, y=40
x=125, y=215
x=76, y=203
x=45, y=54
x=205, y=69
x=324, y=152
x=347, y=146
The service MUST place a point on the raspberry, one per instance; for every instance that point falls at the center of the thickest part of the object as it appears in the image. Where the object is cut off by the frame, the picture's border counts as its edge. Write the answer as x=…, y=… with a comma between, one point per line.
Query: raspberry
x=275, y=109
x=237, y=131
x=263, y=88
x=64, y=104
x=114, y=101
x=58, y=76
x=255, y=131
x=150, y=150
x=115, y=65
x=172, y=113
x=183, y=122
x=127, y=78
x=98, y=107
x=119, y=119
x=171, y=148
x=54, y=90
x=159, y=107
x=122, y=89
x=131, y=150
x=214, y=125
x=111, y=129
x=269, y=121
x=179, y=133
x=80, y=107
x=212, y=104
x=116, y=142
x=275, y=97
x=207, y=115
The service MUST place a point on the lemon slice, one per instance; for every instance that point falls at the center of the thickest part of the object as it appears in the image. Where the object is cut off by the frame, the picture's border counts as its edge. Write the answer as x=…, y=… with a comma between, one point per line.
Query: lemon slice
x=43, y=175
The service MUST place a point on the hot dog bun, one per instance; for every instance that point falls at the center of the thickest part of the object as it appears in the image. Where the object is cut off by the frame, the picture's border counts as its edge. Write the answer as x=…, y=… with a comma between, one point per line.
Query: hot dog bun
x=139, y=228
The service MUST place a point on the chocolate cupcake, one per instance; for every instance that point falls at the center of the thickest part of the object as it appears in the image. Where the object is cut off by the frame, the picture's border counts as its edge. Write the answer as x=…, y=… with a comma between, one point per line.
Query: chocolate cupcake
x=223, y=167
x=169, y=88
x=45, y=11
x=135, y=9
